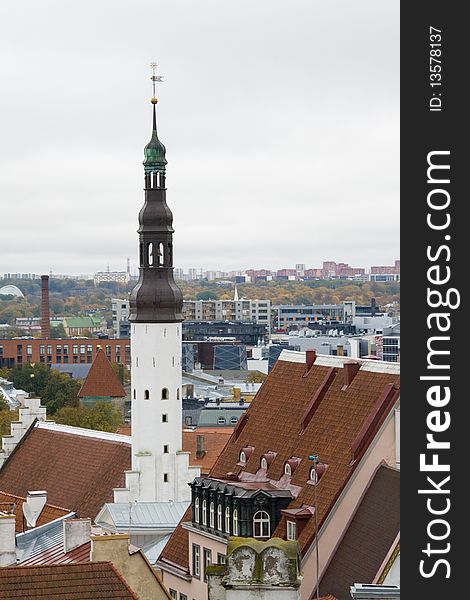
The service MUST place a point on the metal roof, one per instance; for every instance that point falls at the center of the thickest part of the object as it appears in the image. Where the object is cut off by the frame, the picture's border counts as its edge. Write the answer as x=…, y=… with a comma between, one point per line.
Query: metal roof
x=40, y=538
x=153, y=550
x=143, y=515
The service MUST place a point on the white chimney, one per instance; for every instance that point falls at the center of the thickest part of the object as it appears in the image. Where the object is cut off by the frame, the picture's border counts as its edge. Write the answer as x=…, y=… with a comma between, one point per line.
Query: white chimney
x=7, y=540
x=76, y=533
x=32, y=508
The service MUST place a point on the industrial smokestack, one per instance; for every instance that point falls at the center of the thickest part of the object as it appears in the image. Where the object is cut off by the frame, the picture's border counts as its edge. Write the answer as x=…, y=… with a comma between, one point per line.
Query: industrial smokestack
x=45, y=317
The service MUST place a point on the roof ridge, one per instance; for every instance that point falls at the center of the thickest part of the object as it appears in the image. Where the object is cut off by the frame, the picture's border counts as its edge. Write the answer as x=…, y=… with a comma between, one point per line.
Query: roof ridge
x=73, y=430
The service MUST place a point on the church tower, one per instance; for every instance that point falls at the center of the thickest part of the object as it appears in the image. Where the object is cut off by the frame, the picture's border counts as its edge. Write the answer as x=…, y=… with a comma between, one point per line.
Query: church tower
x=160, y=470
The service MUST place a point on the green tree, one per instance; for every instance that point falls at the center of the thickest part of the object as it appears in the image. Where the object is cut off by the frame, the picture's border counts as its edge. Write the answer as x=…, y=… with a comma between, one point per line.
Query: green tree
x=6, y=417
x=58, y=332
x=55, y=389
x=103, y=416
x=60, y=391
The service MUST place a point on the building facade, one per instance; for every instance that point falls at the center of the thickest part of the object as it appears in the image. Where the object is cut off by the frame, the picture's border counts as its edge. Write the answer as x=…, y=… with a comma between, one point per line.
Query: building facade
x=18, y=352
x=120, y=312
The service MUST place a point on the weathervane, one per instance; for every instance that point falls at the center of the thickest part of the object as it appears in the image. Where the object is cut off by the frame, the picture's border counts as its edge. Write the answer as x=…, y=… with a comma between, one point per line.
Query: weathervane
x=155, y=79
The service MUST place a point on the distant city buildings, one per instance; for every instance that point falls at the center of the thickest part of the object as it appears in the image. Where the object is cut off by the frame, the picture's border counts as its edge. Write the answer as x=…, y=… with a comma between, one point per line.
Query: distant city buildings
x=329, y=270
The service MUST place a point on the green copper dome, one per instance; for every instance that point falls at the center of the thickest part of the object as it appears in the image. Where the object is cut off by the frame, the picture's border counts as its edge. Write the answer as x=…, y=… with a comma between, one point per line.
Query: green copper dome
x=154, y=151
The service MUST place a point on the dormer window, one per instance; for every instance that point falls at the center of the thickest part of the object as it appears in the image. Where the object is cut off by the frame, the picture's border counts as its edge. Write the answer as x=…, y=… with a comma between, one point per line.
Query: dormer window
x=196, y=510
x=235, y=521
x=245, y=454
x=204, y=512
x=261, y=524
x=267, y=459
x=316, y=472
x=291, y=531
x=211, y=514
x=291, y=465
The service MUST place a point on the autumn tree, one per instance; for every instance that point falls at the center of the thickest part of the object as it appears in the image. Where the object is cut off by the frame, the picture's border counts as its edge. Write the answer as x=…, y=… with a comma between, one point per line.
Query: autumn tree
x=102, y=416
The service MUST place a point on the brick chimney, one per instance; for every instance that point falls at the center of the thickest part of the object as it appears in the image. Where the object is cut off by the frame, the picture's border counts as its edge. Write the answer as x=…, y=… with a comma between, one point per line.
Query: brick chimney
x=310, y=358
x=45, y=313
x=350, y=370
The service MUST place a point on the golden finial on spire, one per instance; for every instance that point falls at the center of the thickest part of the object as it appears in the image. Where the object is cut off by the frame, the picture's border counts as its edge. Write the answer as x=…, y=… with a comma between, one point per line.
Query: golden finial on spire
x=155, y=78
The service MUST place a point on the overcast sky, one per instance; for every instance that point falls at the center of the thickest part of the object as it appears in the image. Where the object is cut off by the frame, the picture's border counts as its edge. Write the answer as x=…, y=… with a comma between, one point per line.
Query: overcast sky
x=280, y=119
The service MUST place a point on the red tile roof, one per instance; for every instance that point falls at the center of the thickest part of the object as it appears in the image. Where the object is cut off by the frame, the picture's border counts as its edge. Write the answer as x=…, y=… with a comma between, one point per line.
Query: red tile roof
x=102, y=380
x=276, y=421
x=215, y=440
x=91, y=581
x=55, y=555
x=49, y=512
x=78, y=469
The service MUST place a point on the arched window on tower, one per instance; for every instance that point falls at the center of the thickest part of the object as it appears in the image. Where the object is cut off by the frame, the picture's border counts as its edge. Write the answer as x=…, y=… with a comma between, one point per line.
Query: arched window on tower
x=165, y=394
x=161, y=255
x=146, y=395
x=150, y=254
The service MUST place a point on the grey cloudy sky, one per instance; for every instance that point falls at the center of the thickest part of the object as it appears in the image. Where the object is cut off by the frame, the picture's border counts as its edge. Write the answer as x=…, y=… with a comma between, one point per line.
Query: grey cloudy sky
x=281, y=122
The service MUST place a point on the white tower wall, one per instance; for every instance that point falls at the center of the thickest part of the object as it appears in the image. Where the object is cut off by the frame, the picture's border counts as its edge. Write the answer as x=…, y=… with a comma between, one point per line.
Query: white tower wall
x=157, y=454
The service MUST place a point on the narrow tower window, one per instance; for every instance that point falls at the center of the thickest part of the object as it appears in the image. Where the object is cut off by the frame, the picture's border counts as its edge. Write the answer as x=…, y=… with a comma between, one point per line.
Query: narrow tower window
x=165, y=394
x=178, y=394
x=133, y=395
x=146, y=395
x=150, y=254
x=161, y=255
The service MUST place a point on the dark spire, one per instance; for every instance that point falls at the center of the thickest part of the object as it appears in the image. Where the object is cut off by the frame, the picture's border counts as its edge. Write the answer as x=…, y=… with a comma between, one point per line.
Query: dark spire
x=156, y=298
